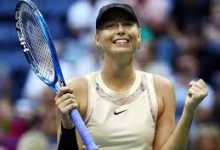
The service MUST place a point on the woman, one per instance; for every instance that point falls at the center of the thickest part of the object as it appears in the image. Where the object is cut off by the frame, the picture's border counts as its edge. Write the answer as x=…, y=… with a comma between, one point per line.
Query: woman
x=124, y=108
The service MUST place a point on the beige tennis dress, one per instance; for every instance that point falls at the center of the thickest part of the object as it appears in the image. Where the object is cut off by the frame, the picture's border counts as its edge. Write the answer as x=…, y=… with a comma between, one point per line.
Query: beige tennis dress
x=122, y=121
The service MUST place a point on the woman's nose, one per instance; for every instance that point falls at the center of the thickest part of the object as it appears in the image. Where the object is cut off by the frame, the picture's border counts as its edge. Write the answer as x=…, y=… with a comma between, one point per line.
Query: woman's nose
x=121, y=29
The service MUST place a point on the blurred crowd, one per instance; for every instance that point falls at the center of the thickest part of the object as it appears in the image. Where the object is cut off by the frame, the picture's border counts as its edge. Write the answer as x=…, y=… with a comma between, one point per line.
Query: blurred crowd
x=180, y=40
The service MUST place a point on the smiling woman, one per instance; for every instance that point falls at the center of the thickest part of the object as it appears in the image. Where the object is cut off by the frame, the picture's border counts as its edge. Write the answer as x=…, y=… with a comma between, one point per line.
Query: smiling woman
x=117, y=31
x=118, y=41
x=124, y=108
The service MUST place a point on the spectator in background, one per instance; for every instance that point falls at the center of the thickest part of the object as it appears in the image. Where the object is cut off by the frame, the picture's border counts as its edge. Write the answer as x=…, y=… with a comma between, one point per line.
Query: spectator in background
x=40, y=122
x=6, y=117
x=153, y=13
x=14, y=121
x=190, y=12
x=146, y=58
x=79, y=21
x=47, y=117
x=207, y=138
x=33, y=140
x=211, y=31
x=77, y=47
x=81, y=15
x=5, y=84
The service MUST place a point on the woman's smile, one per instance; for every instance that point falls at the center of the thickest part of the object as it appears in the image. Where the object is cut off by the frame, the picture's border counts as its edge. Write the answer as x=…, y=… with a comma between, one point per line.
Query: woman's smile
x=121, y=42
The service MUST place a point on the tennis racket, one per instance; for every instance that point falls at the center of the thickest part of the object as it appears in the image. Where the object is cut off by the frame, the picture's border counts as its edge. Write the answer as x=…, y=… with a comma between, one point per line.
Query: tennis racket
x=40, y=52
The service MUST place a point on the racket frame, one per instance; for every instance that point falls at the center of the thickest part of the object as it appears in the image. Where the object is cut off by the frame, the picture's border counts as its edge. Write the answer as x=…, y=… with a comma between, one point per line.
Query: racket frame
x=58, y=76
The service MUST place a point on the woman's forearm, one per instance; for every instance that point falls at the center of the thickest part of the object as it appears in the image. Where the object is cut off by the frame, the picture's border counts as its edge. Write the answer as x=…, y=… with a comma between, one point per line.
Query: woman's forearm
x=179, y=138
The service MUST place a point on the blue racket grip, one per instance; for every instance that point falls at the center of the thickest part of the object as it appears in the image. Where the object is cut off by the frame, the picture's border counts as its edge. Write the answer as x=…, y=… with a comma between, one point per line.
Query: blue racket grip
x=83, y=131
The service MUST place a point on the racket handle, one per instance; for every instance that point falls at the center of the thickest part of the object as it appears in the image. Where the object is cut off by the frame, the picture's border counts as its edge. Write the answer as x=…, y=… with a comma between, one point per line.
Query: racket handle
x=83, y=131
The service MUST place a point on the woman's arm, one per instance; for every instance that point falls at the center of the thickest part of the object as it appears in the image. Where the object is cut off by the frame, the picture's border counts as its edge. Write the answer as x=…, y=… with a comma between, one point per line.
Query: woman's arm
x=176, y=139
x=76, y=93
x=166, y=111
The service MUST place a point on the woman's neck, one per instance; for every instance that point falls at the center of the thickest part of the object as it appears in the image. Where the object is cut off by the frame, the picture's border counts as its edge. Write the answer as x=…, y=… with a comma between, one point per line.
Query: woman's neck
x=118, y=75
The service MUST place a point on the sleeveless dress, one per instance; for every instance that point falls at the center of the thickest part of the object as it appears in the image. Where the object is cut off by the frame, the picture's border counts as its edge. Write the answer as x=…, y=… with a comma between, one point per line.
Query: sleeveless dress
x=122, y=120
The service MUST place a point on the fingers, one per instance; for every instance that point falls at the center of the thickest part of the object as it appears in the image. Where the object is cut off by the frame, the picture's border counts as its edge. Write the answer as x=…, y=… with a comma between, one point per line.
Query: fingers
x=62, y=91
x=67, y=105
x=64, y=97
x=65, y=100
x=198, y=89
x=203, y=85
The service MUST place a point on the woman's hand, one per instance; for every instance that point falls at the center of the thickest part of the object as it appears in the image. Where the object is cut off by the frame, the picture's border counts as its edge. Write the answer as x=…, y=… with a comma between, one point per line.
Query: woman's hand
x=196, y=93
x=65, y=102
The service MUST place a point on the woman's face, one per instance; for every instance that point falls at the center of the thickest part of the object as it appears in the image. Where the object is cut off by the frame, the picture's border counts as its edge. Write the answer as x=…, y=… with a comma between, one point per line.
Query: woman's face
x=119, y=33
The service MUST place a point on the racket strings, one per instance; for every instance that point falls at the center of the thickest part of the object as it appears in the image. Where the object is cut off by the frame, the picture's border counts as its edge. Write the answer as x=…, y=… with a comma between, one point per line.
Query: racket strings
x=38, y=47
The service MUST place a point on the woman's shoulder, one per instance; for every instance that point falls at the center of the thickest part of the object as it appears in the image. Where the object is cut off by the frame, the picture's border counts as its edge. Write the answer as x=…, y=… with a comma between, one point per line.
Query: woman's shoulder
x=80, y=83
x=79, y=86
x=77, y=83
x=162, y=81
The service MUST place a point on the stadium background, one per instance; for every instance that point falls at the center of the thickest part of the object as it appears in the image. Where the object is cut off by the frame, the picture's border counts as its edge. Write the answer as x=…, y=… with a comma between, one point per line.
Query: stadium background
x=181, y=40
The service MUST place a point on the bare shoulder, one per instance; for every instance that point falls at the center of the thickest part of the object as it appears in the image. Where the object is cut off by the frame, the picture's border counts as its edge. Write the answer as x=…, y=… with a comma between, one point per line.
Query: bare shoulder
x=163, y=86
x=162, y=82
x=79, y=86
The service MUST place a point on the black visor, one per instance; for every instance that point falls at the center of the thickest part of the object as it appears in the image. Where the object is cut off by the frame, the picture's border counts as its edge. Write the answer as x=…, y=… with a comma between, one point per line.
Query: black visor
x=105, y=9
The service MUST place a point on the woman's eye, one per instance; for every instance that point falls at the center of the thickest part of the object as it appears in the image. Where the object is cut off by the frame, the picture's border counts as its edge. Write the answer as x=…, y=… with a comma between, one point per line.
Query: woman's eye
x=110, y=25
x=128, y=24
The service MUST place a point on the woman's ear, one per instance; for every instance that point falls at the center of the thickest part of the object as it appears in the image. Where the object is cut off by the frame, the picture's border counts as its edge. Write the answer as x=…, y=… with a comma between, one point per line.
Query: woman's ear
x=97, y=39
